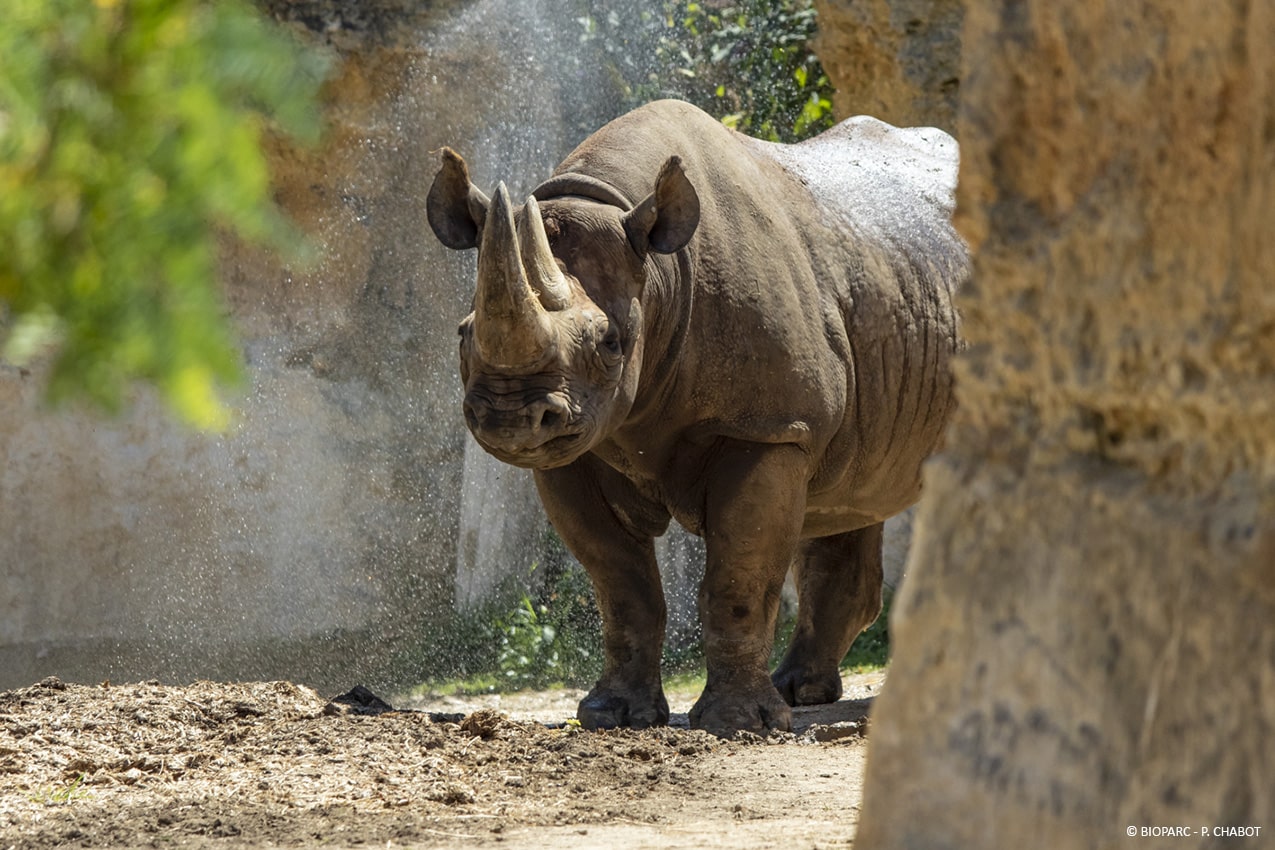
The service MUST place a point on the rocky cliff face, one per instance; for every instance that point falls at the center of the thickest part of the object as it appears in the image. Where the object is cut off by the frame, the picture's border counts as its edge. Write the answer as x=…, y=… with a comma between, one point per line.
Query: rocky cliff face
x=1084, y=642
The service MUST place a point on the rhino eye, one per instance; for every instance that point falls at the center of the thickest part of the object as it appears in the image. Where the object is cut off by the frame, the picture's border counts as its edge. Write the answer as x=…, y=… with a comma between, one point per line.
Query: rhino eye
x=611, y=341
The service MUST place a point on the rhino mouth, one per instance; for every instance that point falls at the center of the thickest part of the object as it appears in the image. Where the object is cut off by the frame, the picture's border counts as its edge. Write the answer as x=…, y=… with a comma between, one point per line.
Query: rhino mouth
x=526, y=428
x=558, y=451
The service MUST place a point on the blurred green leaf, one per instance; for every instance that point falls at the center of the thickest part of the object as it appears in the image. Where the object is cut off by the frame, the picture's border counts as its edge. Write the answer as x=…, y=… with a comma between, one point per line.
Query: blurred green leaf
x=130, y=138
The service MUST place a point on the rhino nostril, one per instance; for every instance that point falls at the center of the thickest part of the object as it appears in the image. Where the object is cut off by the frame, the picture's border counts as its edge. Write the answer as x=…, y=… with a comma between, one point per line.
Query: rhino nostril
x=549, y=419
x=552, y=415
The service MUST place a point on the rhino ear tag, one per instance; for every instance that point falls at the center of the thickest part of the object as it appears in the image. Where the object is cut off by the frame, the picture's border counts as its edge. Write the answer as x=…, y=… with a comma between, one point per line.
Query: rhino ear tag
x=455, y=207
x=666, y=219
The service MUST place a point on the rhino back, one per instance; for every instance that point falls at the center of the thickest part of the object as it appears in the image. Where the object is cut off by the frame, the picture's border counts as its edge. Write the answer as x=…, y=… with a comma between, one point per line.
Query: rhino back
x=887, y=195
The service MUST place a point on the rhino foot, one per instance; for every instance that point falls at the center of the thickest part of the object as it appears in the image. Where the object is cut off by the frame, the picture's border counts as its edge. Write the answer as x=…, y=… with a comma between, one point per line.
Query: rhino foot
x=799, y=686
x=723, y=711
x=604, y=708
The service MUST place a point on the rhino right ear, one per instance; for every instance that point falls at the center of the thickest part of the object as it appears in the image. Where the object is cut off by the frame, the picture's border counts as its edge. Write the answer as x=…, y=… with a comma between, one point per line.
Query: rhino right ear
x=455, y=207
x=666, y=219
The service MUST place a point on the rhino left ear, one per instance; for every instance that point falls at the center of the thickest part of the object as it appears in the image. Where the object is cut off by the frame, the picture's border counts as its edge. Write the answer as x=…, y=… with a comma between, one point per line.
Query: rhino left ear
x=455, y=207
x=666, y=219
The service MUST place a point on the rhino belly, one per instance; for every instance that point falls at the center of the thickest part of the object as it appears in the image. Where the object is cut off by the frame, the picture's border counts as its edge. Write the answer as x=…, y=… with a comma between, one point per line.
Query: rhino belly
x=849, y=507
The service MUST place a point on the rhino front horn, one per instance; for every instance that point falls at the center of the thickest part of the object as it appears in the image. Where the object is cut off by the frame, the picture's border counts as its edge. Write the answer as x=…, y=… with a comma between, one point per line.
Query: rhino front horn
x=511, y=328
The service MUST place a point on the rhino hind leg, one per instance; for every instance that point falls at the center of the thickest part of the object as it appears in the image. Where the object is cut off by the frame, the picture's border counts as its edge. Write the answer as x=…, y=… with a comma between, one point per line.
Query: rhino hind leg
x=838, y=596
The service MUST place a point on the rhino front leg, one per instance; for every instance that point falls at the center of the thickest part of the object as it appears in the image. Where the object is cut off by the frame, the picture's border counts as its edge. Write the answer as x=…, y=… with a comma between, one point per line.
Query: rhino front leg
x=753, y=515
x=839, y=595
x=619, y=555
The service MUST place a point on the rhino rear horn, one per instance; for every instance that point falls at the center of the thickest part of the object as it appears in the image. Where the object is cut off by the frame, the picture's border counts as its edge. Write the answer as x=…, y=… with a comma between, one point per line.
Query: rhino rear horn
x=455, y=207
x=666, y=219
x=542, y=269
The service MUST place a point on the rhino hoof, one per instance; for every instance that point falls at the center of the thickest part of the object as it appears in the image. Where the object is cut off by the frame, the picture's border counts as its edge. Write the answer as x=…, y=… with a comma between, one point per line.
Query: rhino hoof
x=609, y=710
x=726, y=713
x=799, y=687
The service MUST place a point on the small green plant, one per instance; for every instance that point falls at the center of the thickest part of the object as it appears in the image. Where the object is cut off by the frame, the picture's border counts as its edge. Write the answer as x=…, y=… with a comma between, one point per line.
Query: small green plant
x=554, y=640
x=60, y=795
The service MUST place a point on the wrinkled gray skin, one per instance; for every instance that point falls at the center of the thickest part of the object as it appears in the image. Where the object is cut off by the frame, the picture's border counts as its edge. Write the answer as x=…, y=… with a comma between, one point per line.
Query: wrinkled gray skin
x=752, y=339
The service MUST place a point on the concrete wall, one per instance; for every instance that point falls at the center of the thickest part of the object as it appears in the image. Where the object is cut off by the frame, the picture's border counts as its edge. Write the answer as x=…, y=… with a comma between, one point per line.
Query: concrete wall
x=317, y=540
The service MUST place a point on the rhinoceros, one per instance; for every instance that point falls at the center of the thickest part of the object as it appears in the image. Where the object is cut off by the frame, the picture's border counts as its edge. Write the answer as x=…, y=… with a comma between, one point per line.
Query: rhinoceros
x=751, y=338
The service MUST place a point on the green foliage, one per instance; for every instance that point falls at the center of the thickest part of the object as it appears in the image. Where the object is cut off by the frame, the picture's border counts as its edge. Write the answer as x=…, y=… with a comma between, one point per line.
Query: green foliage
x=550, y=637
x=556, y=640
x=748, y=62
x=130, y=136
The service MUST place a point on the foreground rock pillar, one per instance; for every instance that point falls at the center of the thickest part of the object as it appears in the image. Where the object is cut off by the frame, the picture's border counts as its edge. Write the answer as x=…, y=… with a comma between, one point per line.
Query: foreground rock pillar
x=1086, y=641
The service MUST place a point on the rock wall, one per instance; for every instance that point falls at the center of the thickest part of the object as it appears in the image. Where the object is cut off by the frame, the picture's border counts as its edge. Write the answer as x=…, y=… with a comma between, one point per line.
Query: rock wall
x=897, y=60
x=1086, y=640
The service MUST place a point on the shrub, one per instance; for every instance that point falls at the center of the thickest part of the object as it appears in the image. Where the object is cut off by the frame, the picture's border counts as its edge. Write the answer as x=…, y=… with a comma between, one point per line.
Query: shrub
x=556, y=640
x=748, y=62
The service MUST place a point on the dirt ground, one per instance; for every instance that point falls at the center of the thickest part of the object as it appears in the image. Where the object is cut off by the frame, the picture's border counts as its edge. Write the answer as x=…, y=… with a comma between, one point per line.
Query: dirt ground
x=273, y=764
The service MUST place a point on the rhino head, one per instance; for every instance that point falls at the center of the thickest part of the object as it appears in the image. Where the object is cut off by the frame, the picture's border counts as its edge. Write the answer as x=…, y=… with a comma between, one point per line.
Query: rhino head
x=550, y=356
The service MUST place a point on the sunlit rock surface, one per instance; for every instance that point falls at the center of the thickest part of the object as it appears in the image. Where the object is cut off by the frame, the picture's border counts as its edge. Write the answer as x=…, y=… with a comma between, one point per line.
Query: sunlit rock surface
x=1086, y=640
